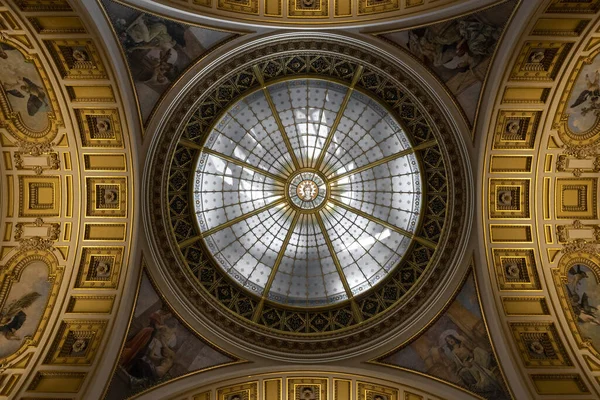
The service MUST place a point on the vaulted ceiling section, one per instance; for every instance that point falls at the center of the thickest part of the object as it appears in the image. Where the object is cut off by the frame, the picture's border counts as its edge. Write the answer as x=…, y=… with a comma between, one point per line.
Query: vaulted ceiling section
x=299, y=199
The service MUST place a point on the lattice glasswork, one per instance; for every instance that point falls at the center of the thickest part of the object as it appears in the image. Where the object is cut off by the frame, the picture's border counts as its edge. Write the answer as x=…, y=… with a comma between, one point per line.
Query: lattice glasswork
x=307, y=193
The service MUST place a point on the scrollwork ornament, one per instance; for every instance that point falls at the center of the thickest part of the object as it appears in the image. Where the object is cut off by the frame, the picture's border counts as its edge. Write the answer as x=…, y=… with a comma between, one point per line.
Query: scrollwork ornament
x=53, y=161
x=561, y=163
x=35, y=149
x=18, y=231
x=581, y=152
x=36, y=243
x=581, y=245
x=561, y=232
x=18, y=160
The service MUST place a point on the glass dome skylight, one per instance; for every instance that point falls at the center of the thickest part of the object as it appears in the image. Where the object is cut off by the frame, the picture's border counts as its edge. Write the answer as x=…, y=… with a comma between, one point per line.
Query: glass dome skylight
x=307, y=193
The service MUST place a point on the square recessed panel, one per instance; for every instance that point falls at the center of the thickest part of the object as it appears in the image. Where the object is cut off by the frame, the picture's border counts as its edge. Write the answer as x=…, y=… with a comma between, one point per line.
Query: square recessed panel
x=39, y=196
x=540, y=61
x=576, y=198
x=76, y=343
x=308, y=8
x=239, y=6
x=369, y=391
x=76, y=59
x=100, y=267
x=377, y=6
x=307, y=388
x=246, y=391
x=574, y=6
x=509, y=198
x=516, y=129
x=540, y=345
x=515, y=269
x=106, y=197
x=99, y=128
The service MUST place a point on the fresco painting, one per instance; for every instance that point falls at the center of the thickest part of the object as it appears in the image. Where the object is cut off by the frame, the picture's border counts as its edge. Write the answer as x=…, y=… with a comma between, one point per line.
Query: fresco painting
x=158, y=50
x=23, y=88
x=584, y=101
x=158, y=348
x=583, y=293
x=456, y=349
x=22, y=309
x=459, y=51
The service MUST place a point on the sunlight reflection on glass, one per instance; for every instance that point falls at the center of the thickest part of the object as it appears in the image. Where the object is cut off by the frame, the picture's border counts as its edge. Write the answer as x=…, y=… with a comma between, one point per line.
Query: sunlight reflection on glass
x=368, y=215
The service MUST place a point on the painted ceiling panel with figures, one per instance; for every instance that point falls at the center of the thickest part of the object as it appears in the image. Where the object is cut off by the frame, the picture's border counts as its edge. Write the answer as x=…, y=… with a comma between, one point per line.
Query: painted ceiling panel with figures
x=460, y=51
x=158, y=50
x=172, y=349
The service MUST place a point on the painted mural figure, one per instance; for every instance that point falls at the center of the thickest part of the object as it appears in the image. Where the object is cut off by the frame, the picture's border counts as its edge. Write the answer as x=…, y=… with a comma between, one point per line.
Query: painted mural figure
x=159, y=355
x=579, y=298
x=154, y=36
x=158, y=348
x=457, y=45
x=158, y=49
x=576, y=275
x=154, y=47
x=583, y=109
x=590, y=96
x=138, y=343
x=149, y=355
x=23, y=87
x=459, y=51
x=13, y=316
x=474, y=366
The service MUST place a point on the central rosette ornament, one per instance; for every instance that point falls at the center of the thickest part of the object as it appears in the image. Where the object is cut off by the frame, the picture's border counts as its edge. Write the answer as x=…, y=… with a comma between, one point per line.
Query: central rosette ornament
x=307, y=190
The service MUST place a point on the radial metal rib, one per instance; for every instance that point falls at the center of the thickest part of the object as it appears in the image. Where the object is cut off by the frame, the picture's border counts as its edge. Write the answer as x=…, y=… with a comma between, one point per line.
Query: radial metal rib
x=276, y=265
x=381, y=222
x=242, y=217
x=188, y=242
x=244, y=164
x=275, y=113
x=384, y=160
x=338, y=267
x=338, y=117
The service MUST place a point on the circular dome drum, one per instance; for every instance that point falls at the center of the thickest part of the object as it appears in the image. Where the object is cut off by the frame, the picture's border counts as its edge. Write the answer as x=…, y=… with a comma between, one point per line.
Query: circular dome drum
x=307, y=198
